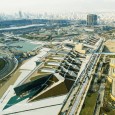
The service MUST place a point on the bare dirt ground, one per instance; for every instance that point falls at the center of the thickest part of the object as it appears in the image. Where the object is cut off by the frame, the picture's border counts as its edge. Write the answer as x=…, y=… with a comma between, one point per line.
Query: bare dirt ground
x=110, y=46
x=10, y=81
x=6, y=83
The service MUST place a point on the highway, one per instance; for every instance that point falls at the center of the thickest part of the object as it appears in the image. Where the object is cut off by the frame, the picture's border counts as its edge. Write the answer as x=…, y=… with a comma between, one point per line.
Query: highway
x=85, y=82
x=10, y=66
x=74, y=101
x=79, y=88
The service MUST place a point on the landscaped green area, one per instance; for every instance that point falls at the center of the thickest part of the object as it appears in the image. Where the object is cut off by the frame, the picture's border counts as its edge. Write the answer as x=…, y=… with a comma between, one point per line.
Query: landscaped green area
x=89, y=104
x=108, y=102
x=2, y=64
x=111, y=112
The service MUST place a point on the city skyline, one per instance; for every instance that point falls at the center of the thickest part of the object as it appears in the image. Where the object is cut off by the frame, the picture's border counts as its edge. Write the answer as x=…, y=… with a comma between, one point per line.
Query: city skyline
x=51, y=6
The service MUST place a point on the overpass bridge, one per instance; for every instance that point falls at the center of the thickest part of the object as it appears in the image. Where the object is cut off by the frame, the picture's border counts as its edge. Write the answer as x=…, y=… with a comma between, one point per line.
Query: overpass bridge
x=105, y=53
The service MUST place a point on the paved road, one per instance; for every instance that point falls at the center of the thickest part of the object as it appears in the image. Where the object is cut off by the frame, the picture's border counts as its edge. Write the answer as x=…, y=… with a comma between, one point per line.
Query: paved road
x=10, y=65
x=79, y=98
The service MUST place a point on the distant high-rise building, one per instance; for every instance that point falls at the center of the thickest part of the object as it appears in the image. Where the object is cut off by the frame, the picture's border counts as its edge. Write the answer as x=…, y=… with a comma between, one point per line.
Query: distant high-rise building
x=20, y=15
x=91, y=19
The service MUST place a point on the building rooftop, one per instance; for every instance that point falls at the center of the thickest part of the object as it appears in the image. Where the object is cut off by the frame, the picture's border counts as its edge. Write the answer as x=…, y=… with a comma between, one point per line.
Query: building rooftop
x=43, y=88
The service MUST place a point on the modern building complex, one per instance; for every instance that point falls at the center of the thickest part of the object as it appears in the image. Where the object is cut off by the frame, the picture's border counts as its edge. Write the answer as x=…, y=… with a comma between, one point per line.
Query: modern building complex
x=46, y=80
x=91, y=19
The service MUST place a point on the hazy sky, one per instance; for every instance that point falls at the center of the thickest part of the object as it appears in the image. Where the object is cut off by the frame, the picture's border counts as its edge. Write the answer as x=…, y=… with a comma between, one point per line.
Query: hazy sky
x=9, y=6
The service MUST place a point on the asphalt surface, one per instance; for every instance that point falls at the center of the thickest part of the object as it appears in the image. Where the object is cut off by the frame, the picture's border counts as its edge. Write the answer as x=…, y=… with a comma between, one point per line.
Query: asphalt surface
x=9, y=66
